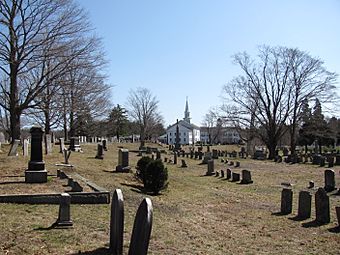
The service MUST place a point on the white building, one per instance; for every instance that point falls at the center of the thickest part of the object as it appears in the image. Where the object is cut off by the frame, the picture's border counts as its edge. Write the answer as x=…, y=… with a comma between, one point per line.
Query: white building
x=222, y=135
x=188, y=132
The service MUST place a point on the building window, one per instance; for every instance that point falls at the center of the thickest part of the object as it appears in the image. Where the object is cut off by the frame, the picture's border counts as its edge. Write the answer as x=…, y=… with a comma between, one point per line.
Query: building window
x=170, y=139
x=184, y=133
x=185, y=140
x=170, y=134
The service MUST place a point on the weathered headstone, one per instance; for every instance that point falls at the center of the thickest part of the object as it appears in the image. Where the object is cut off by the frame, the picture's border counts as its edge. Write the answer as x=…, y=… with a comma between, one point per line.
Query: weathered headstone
x=330, y=161
x=25, y=148
x=222, y=173
x=36, y=172
x=305, y=204
x=229, y=173
x=67, y=154
x=48, y=144
x=13, y=151
x=215, y=154
x=246, y=177
x=196, y=154
x=141, y=229
x=64, y=218
x=191, y=154
x=100, y=152
x=117, y=223
x=286, y=201
x=206, y=158
x=237, y=164
x=329, y=180
x=158, y=154
x=123, y=161
x=184, y=164
x=61, y=145
x=76, y=187
x=322, y=161
x=322, y=206
x=200, y=155
x=210, y=170
x=175, y=158
x=74, y=144
x=104, y=143
x=217, y=174
x=337, y=160
x=235, y=177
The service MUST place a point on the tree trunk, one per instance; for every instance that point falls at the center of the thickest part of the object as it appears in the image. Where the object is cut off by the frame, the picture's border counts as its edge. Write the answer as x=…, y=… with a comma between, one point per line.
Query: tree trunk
x=15, y=125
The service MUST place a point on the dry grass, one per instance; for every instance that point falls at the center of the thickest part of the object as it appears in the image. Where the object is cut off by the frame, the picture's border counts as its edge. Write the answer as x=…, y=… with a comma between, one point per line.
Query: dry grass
x=195, y=215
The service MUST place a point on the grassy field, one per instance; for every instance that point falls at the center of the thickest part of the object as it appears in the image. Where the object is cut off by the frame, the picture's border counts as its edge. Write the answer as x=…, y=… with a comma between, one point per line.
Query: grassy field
x=195, y=215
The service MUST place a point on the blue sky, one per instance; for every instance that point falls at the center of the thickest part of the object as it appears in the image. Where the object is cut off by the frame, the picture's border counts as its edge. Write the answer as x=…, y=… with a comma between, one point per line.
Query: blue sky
x=182, y=48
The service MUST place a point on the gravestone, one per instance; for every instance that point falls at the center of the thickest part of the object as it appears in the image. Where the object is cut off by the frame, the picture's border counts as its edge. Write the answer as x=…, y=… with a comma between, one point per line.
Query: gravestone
x=196, y=154
x=305, y=204
x=229, y=173
x=184, y=164
x=48, y=144
x=123, y=161
x=104, y=143
x=100, y=152
x=76, y=187
x=36, y=172
x=67, y=154
x=286, y=201
x=330, y=161
x=337, y=160
x=246, y=177
x=165, y=160
x=231, y=163
x=14, y=148
x=74, y=144
x=158, y=154
x=237, y=164
x=200, y=155
x=322, y=206
x=329, y=180
x=217, y=174
x=316, y=159
x=235, y=177
x=191, y=154
x=210, y=170
x=117, y=223
x=175, y=158
x=215, y=154
x=61, y=145
x=222, y=173
x=141, y=229
x=322, y=161
x=64, y=218
x=337, y=211
x=25, y=148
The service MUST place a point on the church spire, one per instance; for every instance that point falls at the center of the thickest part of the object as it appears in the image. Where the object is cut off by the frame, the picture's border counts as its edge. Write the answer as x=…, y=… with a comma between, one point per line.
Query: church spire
x=186, y=112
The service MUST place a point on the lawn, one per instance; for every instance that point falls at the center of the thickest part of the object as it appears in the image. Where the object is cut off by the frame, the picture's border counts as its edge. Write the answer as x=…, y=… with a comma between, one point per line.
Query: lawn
x=197, y=214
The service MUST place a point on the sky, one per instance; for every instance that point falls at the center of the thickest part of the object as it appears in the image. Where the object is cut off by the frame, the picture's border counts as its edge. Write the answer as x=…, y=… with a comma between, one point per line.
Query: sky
x=183, y=48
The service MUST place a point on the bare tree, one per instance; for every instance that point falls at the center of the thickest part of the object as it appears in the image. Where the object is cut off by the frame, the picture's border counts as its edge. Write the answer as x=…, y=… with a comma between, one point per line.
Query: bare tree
x=143, y=108
x=34, y=33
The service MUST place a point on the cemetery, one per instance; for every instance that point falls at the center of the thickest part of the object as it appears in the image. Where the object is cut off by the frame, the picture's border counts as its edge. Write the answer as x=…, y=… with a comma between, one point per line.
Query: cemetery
x=89, y=206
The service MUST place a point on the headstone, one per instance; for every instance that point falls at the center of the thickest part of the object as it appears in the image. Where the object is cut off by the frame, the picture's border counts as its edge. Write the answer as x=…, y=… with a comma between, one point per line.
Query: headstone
x=316, y=159
x=329, y=180
x=200, y=155
x=231, y=163
x=330, y=161
x=14, y=148
x=217, y=174
x=117, y=223
x=123, y=161
x=184, y=164
x=104, y=143
x=222, y=173
x=61, y=145
x=175, y=158
x=74, y=144
x=206, y=158
x=165, y=160
x=25, y=148
x=64, y=218
x=141, y=229
x=67, y=154
x=100, y=152
x=246, y=177
x=210, y=170
x=229, y=173
x=191, y=154
x=215, y=154
x=305, y=204
x=237, y=164
x=76, y=187
x=322, y=206
x=158, y=154
x=286, y=201
x=36, y=172
x=322, y=161
x=337, y=211
x=196, y=154
x=48, y=144
x=235, y=177
x=311, y=184
x=337, y=160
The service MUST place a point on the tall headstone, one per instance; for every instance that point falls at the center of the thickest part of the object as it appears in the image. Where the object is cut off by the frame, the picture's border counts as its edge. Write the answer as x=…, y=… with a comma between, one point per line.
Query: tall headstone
x=13, y=151
x=104, y=143
x=123, y=161
x=286, y=201
x=100, y=151
x=36, y=172
x=210, y=170
x=322, y=206
x=117, y=223
x=48, y=144
x=175, y=158
x=329, y=180
x=61, y=145
x=305, y=204
x=64, y=218
x=229, y=173
x=25, y=148
x=142, y=226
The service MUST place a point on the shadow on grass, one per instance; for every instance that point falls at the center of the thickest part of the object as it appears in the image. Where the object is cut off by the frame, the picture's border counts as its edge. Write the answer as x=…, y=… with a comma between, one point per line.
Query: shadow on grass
x=99, y=251
x=12, y=182
x=334, y=230
x=298, y=218
x=138, y=188
x=279, y=214
x=312, y=224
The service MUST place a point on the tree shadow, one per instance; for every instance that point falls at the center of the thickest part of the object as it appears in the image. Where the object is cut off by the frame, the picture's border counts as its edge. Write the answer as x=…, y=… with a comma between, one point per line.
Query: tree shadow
x=313, y=224
x=99, y=251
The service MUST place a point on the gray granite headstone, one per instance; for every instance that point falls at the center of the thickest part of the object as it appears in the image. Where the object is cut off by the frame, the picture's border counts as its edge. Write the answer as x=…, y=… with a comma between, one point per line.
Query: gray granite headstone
x=305, y=204
x=14, y=148
x=175, y=158
x=322, y=161
x=246, y=177
x=210, y=170
x=61, y=145
x=64, y=218
x=104, y=143
x=286, y=201
x=48, y=144
x=215, y=154
x=117, y=223
x=123, y=161
x=142, y=226
x=322, y=206
x=25, y=148
x=100, y=151
x=329, y=180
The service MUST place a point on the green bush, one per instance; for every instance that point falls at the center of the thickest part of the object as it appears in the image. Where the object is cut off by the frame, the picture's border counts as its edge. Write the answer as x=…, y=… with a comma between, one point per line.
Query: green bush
x=155, y=176
x=141, y=166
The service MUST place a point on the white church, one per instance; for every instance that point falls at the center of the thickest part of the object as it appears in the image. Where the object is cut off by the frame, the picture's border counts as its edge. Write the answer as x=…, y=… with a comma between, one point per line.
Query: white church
x=188, y=132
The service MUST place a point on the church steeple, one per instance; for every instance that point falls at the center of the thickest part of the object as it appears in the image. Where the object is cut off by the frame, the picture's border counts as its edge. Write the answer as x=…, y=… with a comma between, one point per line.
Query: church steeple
x=186, y=112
